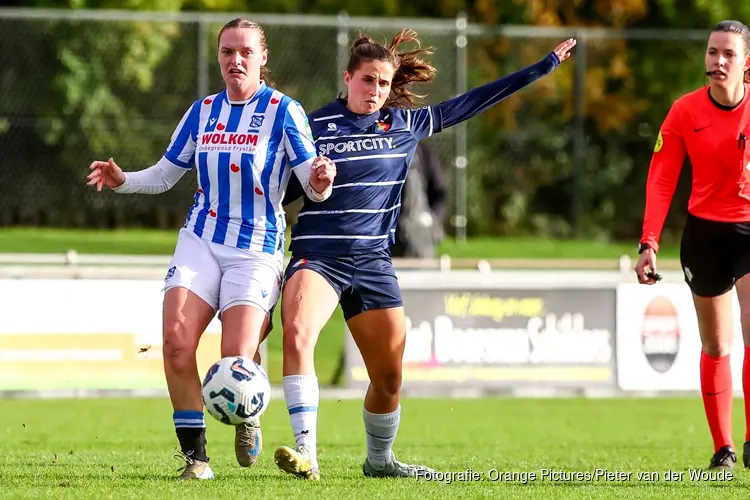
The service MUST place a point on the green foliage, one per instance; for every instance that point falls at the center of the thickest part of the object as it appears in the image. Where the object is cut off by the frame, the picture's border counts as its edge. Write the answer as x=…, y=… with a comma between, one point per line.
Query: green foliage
x=119, y=88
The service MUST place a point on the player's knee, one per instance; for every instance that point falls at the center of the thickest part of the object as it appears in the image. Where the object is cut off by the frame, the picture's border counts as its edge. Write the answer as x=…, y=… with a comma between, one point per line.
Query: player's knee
x=177, y=349
x=387, y=383
x=745, y=324
x=299, y=339
x=717, y=347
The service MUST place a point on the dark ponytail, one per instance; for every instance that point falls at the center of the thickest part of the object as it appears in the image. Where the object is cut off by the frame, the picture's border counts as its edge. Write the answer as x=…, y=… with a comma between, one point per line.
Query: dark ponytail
x=408, y=66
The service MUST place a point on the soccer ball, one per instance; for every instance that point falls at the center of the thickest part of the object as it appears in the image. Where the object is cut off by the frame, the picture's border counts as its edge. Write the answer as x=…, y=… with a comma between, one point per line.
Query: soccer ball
x=236, y=390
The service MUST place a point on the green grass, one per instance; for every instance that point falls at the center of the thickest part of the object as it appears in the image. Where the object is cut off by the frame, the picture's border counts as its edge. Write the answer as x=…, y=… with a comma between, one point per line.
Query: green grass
x=122, y=449
x=130, y=242
x=161, y=242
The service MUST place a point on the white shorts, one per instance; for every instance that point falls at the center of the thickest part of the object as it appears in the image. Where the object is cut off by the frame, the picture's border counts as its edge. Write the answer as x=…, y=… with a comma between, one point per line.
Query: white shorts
x=224, y=276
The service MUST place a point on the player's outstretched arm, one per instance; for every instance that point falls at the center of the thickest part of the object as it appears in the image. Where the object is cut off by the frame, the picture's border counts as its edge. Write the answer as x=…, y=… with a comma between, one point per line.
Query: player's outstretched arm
x=475, y=101
x=153, y=180
x=158, y=178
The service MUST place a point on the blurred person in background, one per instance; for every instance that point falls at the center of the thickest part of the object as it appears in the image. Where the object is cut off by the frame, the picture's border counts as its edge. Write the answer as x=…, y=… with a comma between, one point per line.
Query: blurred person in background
x=711, y=126
x=419, y=229
x=229, y=254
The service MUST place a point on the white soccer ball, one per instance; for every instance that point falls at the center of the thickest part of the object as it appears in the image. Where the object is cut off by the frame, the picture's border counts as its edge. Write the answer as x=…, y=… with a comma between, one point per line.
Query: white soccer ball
x=236, y=390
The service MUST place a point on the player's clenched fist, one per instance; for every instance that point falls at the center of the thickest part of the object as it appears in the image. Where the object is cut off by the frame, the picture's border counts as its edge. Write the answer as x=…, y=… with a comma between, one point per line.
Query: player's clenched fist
x=323, y=173
x=105, y=173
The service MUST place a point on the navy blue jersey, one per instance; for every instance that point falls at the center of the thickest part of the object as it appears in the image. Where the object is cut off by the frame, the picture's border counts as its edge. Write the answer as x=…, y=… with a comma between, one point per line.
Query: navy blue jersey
x=372, y=155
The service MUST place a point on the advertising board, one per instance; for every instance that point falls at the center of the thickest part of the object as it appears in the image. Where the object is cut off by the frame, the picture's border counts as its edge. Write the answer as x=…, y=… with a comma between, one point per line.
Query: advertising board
x=658, y=343
x=87, y=334
x=495, y=337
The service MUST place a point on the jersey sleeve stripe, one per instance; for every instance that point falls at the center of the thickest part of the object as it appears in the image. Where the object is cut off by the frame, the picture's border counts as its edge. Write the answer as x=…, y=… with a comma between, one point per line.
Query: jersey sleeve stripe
x=352, y=136
x=351, y=211
x=295, y=128
x=340, y=237
x=300, y=160
x=370, y=157
x=329, y=117
x=271, y=238
x=176, y=161
x=180, y=152
x=368, y=184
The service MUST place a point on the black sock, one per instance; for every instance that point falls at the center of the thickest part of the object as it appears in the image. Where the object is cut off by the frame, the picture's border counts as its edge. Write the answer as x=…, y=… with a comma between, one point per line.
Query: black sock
x=193, y=442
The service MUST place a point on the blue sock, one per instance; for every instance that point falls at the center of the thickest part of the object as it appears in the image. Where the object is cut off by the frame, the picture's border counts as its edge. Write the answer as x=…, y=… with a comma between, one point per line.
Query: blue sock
x=191, y=431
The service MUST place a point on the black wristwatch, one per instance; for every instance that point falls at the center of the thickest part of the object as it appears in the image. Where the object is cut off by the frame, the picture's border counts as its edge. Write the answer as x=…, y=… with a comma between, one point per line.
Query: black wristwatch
x=642, y=247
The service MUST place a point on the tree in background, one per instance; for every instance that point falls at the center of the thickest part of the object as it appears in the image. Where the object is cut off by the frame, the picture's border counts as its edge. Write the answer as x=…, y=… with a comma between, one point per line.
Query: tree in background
x=84, y=90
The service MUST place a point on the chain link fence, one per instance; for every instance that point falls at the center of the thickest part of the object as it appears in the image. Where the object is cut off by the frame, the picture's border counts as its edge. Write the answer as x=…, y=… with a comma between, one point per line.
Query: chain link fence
x=568, y=154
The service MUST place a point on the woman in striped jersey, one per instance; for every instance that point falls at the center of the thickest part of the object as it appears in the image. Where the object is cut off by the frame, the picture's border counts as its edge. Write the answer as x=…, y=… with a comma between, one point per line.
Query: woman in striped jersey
x=229, y=253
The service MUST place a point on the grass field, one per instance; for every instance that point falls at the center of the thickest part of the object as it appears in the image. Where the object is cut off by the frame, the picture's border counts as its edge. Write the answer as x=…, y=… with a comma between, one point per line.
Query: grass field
x=161, y=242
x=123, y=449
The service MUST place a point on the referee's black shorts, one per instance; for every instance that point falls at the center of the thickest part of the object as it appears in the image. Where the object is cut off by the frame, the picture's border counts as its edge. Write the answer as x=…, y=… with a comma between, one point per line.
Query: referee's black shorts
x=714, y=255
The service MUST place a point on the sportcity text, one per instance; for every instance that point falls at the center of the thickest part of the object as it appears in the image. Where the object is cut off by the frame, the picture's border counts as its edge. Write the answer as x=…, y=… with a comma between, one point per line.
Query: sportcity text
x=564, y=476
x=370, y=144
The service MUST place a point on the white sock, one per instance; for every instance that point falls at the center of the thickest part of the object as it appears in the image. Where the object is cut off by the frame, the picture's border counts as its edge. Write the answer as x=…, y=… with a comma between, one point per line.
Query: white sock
x=381, y=430
x=302, y=396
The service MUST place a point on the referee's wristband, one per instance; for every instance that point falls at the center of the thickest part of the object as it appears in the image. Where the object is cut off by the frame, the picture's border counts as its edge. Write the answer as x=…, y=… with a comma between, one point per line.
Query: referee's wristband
x=643, y=246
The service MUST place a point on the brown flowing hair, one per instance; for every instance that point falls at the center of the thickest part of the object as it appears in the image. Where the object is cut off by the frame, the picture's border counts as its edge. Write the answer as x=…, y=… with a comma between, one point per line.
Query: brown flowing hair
x=408, y=66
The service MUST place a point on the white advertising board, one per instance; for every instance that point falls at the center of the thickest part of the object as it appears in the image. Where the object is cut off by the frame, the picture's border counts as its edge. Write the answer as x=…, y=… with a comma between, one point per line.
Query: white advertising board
x=658, y=344
x=87, y=334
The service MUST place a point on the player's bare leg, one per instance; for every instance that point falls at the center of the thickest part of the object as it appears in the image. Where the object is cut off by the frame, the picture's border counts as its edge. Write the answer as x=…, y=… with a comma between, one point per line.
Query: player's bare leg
x=743, y=294
x=185, y=317
x=380, y=335
x=307, y=303
x=715, y=327
x=241, y=327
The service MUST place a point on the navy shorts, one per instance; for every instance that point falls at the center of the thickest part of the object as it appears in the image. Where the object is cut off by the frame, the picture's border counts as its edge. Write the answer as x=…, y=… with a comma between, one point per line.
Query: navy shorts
x=362, y=282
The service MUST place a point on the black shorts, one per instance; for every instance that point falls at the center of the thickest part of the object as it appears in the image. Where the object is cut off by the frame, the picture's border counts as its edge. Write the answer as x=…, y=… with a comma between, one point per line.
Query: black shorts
x=362, y=282
x=714, y=255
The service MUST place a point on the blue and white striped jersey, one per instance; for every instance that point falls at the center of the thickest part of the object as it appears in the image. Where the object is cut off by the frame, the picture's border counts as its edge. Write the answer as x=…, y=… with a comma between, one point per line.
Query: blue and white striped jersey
x=372, y=155
x=241, y=152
